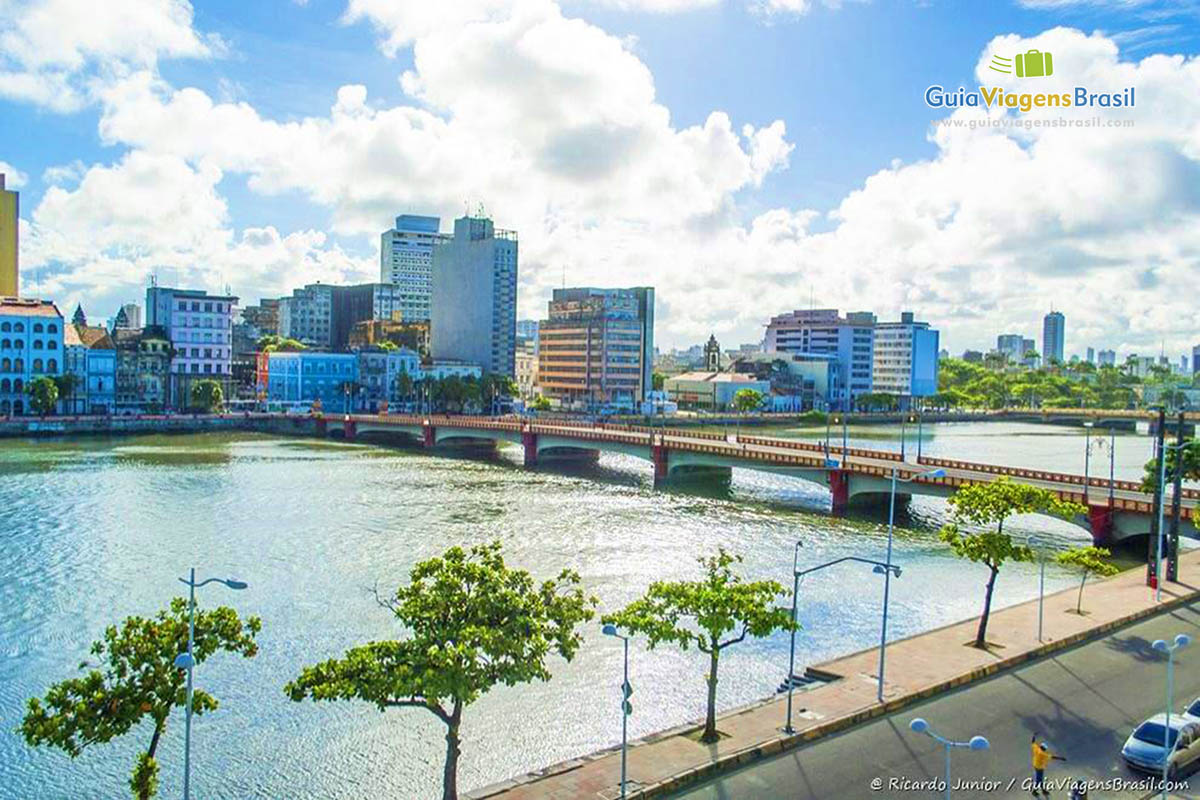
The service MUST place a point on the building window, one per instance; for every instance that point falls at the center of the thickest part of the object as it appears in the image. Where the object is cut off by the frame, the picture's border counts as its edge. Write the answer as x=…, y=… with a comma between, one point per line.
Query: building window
x=37, y=344
x=51, y=328
x=51, y=345
x=38, y=327
x=19, y=327
x=37, y=365
x=19, y=365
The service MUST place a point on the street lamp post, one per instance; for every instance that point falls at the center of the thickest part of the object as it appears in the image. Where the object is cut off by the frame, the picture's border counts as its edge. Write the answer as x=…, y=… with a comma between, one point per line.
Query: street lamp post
x=1162, y=492
x=1182, y=640
x=919, y=725
x=920, y=421
x=887, y=571
x=1041, y=583
x=1087, y=458
x=188, y=661
x=626, y=708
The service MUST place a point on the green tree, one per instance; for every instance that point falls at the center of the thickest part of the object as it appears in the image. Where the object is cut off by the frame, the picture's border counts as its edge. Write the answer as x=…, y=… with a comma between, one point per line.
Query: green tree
x=1089, y=561
x=541, y=403
x=1190, y=462
x=43, y=395
x=273, y=343
x=701, y=612
x=404, y=386
x=987, y=505
x=474, y=623
x=657, y=381
x=135, y=678
x=745, y=400
x=206, y=396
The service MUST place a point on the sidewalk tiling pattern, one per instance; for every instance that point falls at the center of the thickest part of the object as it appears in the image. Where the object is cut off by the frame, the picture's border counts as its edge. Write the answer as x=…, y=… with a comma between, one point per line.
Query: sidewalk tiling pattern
x=917, y=668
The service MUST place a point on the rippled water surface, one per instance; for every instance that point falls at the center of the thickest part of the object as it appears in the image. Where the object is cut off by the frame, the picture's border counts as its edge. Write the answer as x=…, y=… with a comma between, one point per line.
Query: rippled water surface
x=93, y=530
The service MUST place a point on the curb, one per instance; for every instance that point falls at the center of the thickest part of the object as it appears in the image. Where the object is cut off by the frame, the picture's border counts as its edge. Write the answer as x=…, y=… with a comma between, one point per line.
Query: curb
x=781, y=744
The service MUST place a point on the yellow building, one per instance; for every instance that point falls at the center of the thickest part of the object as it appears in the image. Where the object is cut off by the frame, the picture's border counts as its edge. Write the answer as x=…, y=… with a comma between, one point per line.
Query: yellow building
x=9, y=212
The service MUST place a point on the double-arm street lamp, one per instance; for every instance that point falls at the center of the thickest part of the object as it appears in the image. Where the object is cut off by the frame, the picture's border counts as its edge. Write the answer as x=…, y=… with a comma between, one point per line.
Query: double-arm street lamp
x=187, y=661
x=626, y=708
x=1182, y=640
x=919, y=725
x=1162, y=502
x=1029, y=542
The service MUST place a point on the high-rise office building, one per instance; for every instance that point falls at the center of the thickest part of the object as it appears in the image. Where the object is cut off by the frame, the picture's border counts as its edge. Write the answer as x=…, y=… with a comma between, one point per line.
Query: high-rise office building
x=905, y=359
x=1091, y=355
x=129, y=317
x=10, y=212
x=1011, y=345
x=307, y=316
x=1196, y=359
x=1054, y=334
x=474, y=299
x=597, y=346
x=322, y=315
x=1107, y=358
x=406, y=261
x=200, y=328
x=851, y=339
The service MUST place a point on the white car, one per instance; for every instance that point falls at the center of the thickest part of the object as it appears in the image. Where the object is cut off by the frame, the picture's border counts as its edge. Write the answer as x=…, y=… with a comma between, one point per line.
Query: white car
x=1191, y=712
x=1143, y=750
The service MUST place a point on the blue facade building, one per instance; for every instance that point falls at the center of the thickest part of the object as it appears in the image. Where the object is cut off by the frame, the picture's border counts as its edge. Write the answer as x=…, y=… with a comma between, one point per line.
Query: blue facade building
x=305, y=377
x=31, y=346
x=906, y=359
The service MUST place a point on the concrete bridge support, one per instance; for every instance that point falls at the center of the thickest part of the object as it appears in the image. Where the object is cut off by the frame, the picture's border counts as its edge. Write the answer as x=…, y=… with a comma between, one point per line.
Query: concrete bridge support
x=529, y=441
x=428, y=435
x=839, y=484
x=350, y=427
x=1100, y=519
x=658, y=454
x=321, y=427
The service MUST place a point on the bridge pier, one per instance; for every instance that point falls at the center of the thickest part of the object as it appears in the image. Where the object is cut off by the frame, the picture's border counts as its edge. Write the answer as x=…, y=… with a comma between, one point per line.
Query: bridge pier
x=529, y=440
x=839, y=484
x=351, y=430
x=321, y=431
x=658, y=454
x=1101, y=520
x=428, y=434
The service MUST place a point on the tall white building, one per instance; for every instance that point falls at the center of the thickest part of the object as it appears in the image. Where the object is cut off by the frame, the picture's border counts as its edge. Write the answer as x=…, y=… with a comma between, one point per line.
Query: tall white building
x=851, y=339
x=200, y=328
x=905, y=358
x=406, y=260
x=474, y=298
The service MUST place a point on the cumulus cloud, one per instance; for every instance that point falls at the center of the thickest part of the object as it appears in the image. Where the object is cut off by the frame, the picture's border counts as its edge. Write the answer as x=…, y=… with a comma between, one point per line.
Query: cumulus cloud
x=13, y=177
x=52, y=52
x=554, y=125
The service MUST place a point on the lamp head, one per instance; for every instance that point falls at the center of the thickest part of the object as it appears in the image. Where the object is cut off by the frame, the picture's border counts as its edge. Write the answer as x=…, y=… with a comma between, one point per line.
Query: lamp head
x=184, y=661
x=235, y=584
x=919, y=725
x=1160, y=646
x=936, y=473
x=979, y=743
x=1183, y=640
x=609, y=630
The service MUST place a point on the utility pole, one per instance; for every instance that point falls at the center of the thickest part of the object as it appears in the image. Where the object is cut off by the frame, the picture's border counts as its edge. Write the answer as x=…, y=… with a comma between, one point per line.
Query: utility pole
x=1173, y=541
x=1161, y=453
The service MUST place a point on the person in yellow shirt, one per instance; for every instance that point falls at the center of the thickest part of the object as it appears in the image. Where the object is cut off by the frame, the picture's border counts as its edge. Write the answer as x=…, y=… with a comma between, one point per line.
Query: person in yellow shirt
x=1041, y=757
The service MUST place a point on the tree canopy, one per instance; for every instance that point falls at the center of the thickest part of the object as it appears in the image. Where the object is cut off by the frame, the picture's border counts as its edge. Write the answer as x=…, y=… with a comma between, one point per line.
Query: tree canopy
x=1089, y=561
x=132, y=677
x=985, y=505
x=748, y=400
x=43, y=395
x=704, y=614
x=206, y=396
x=473, y=623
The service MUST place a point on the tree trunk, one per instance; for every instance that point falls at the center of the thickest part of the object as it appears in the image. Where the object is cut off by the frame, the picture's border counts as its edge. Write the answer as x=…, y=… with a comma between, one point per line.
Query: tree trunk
x=450, y=772
x=981, y=635
x=1079, y=603
x=710, y=720
x=143, y=787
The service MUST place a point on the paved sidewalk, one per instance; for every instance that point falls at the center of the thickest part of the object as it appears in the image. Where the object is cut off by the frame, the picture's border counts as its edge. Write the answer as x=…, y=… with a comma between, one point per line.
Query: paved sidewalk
x=917, y=668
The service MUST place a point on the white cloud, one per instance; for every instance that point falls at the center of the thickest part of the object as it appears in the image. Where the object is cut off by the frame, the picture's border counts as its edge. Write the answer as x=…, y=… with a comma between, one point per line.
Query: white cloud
x=13, y=177
x=53, y=51
x=554, y=125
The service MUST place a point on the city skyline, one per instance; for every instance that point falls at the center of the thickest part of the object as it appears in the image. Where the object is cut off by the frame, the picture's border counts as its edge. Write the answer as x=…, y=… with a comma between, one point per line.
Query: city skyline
x=647, y=176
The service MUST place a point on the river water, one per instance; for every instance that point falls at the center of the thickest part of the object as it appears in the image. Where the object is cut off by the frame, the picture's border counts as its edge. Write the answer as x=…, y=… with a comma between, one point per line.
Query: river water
x=94, y=530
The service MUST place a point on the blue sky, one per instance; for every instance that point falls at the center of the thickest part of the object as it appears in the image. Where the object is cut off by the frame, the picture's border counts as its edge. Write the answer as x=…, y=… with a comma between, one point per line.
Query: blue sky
x=845, y=82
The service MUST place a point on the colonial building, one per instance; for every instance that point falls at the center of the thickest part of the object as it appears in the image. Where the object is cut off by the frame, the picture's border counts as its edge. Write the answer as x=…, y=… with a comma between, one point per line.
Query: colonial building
x=31, y=346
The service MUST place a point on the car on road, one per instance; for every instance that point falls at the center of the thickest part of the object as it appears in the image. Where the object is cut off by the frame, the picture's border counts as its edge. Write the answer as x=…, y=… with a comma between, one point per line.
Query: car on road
x=1191, y=712
x=1144, y=751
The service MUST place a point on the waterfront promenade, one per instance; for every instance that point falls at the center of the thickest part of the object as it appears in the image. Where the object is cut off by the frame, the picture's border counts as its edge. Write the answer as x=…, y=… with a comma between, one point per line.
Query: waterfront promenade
x=919, y=667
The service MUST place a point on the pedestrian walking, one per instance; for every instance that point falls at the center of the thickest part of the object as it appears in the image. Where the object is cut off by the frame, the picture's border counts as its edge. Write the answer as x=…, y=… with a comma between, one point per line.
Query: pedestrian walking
x=1041, y=756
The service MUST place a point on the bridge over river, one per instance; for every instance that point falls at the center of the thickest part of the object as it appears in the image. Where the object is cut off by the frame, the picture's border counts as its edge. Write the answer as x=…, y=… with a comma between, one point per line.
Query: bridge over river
x=1115, y=509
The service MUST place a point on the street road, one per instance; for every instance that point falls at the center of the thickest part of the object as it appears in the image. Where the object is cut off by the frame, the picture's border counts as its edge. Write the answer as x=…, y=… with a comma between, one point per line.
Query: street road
x=1084, y=702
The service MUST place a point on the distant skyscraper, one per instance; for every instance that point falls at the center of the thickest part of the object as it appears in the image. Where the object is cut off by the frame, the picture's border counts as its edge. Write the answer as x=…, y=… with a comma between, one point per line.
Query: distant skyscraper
x=1196, y=359
x=406, y=260
x=1054, y=334
x=851, y=339
x=200, y=328
x=10, y=212
x=597, y=345
x=129, y=317
x=474, y=298
x=1011, y=345
x=1091, y=355
x=905, y=359
x=1107, y=358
